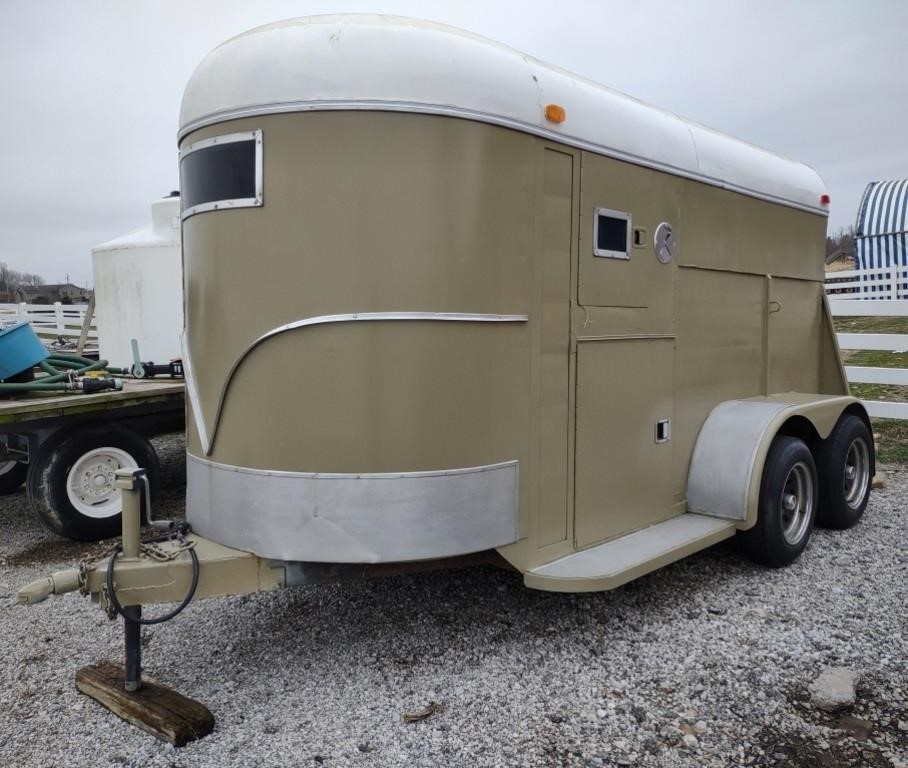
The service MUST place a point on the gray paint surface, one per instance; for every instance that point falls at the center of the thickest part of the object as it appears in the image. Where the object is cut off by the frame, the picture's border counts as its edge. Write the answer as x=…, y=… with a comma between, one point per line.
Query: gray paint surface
x=723, y=458
x=353, y=518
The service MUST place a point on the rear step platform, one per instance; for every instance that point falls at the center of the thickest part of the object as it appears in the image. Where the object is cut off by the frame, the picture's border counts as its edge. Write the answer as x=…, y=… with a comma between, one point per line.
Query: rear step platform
x=616, y=562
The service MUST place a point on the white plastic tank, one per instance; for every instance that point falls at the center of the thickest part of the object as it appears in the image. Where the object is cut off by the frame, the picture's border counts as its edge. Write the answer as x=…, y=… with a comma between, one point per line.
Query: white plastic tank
x=139, y=289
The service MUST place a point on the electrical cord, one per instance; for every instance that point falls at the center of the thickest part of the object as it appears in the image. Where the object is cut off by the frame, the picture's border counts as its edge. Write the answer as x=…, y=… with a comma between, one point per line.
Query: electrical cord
x=118, y=607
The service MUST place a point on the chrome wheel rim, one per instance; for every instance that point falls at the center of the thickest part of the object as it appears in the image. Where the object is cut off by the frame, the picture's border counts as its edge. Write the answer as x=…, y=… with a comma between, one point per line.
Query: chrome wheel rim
x=857, y=472
x=90, y=482
x=796, y=503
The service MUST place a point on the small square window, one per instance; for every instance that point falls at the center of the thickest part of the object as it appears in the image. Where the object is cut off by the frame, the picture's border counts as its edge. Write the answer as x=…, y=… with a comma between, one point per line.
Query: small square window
x=611, y=234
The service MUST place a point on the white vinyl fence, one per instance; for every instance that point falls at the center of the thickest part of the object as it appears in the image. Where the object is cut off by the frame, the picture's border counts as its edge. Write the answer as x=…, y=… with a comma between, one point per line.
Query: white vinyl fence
x=880, y=283
x=891, y=342
x=51, y=321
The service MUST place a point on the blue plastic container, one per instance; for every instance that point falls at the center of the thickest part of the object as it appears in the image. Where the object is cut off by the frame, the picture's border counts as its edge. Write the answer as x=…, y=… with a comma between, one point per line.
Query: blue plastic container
x=20, y=349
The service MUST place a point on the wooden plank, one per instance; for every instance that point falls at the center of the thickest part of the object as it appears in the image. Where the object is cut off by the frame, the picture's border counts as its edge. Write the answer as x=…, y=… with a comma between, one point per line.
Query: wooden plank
x=886, y=342
x=155, y=708
x=868, y=307
x=86, y=324
x=859, y=374
x=50, y=405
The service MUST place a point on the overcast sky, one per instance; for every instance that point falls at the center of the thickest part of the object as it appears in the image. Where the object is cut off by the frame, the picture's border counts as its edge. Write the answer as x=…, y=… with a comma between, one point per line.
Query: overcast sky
x=91, y=91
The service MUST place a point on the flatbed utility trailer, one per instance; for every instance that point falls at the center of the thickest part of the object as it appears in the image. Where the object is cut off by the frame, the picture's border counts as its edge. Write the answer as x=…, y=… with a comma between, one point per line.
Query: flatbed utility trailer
x=66, y=448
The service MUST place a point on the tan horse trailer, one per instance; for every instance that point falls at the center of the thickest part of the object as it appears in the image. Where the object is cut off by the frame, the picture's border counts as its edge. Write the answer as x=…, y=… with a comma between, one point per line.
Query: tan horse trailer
x=444, y=299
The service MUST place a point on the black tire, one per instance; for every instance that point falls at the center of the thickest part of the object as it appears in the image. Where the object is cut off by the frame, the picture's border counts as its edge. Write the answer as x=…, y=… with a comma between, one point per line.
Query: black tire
x=787, y=507
x=99, y=449
x=12, y=475
x=845, y=465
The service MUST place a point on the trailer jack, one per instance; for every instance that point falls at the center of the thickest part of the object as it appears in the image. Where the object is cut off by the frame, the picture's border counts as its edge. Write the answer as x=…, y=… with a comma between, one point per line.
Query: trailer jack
x=171, y=568
x=176, y=566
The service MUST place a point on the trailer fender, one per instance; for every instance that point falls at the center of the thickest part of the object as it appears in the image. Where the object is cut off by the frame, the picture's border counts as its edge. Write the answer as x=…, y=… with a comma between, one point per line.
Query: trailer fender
x=726, y=467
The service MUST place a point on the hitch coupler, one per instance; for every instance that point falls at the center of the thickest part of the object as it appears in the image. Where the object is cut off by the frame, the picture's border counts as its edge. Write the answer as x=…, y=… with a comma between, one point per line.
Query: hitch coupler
x=57, y=583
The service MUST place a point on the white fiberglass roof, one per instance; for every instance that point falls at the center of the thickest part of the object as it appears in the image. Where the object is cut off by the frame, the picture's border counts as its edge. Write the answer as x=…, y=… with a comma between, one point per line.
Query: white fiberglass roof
x=348, y=62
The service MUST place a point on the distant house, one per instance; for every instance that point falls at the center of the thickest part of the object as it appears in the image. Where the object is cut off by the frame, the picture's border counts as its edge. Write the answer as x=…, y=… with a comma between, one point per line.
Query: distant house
x=842, y=257
x=881, y=235
x=51, y=292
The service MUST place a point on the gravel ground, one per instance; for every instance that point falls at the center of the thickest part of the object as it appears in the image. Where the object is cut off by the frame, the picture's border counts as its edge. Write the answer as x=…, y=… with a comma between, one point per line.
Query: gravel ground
x=705, y=663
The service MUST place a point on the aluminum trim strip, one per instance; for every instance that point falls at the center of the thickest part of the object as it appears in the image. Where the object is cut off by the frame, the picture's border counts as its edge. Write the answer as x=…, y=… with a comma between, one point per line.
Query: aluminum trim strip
x=463, y=317
x=368, y=518
x=222, y=205
x=227, y=138
x=485, y=117
x=351, y=475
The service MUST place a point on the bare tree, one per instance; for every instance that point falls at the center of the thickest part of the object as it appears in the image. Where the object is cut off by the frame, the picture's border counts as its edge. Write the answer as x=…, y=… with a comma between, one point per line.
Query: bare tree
x=839, y=242
x=11, y=279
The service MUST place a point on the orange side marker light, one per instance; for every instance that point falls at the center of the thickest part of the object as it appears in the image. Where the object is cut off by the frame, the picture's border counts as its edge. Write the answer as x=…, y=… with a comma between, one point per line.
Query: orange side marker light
x=555, y=113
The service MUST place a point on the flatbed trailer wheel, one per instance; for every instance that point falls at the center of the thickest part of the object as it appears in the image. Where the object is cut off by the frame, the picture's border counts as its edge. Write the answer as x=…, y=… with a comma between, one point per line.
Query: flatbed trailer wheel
x=71, y=480
x=12, y=475
x=845, y=465
x=788, y=502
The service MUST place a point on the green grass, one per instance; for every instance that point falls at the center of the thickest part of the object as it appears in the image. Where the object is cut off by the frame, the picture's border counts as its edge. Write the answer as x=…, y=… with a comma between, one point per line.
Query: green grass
x=891, y=439
x=871, y=324
x=891, y=435
x=875, y=358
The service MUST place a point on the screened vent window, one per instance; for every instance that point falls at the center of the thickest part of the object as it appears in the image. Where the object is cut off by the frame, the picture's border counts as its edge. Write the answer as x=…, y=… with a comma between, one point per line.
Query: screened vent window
x=221, y=172
x=612, y=234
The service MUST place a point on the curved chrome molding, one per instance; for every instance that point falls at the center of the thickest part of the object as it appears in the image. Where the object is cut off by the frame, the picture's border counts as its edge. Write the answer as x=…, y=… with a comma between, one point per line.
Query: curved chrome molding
x=351, y=475
x=493, y=119
x=208, y=443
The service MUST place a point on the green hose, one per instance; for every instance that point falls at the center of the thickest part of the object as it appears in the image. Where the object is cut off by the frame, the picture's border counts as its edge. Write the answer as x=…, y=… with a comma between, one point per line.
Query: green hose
x=73, y=358
x=52, y=374
x=54, y=363
x=57, y=380
x=88, y=365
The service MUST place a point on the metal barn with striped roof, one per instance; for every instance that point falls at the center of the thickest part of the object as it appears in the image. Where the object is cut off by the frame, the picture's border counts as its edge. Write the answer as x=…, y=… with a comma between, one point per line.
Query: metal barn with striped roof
x=881, y=236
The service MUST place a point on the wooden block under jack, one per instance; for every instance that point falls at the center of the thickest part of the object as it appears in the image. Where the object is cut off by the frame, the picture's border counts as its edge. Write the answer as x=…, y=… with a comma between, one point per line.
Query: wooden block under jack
x=154, y=708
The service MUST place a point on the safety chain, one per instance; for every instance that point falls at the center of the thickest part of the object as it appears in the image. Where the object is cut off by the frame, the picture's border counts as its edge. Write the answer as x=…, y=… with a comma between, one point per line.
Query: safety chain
x=87, y=564
x=156, y=552
x=151, y=548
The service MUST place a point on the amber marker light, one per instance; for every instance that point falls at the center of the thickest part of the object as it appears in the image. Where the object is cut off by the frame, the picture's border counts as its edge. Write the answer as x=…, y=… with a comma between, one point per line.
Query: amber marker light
x=555, y=113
